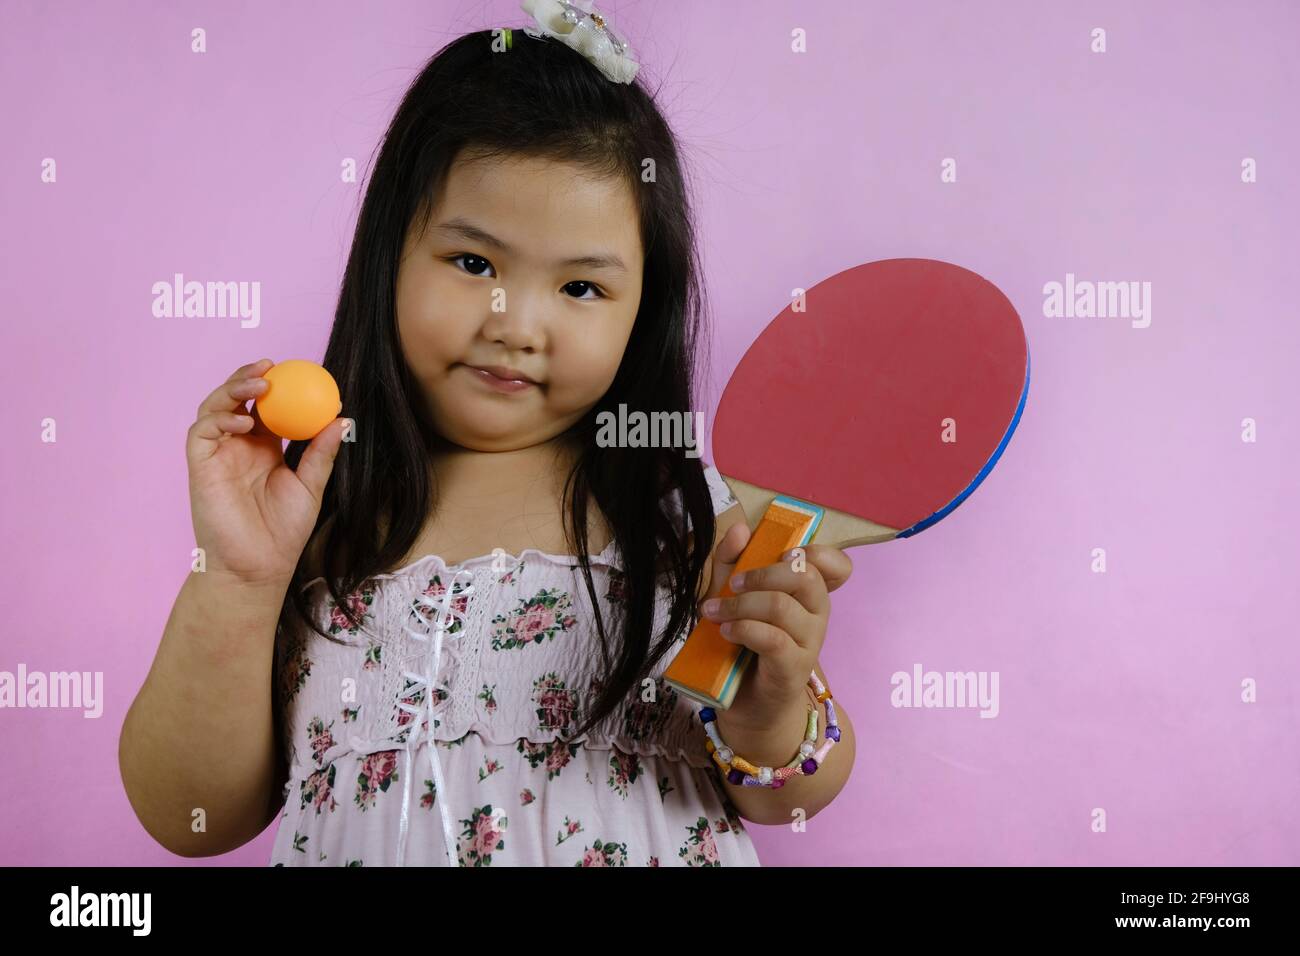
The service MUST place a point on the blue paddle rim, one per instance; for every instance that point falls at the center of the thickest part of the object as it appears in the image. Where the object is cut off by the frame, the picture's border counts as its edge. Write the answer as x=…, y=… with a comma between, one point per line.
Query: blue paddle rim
x=997, y=453
x=742, y=659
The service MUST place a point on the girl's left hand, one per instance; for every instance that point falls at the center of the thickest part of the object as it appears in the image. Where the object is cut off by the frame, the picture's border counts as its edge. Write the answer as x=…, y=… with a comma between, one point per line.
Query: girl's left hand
x=778, y=613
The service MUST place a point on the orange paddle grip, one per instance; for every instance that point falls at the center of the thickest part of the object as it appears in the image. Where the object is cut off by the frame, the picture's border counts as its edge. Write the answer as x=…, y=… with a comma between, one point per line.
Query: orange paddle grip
x=708, y=668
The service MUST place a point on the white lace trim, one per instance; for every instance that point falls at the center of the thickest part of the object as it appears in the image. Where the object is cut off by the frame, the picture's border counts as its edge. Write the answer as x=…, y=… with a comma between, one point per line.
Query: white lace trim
x=606, y=557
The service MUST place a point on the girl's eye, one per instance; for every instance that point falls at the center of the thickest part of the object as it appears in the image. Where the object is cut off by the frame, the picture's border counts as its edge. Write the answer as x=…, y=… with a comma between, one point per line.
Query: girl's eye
x=590, y=286
x=473, y=262
x=471, y=256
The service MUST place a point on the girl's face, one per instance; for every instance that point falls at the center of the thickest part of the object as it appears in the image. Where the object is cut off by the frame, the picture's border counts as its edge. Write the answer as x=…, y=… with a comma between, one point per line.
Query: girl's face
x=528, y=265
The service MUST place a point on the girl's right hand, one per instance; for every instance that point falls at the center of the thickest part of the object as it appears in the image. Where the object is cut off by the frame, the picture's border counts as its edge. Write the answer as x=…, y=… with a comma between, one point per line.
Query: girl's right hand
x=253, y=514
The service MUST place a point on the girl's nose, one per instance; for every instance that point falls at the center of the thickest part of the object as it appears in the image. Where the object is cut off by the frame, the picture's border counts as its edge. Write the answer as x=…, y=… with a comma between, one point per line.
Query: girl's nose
x=517, y=324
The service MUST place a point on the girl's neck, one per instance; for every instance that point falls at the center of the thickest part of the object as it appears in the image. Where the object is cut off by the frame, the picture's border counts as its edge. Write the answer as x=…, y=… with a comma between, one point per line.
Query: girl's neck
x=512, y=500
x=503, y=474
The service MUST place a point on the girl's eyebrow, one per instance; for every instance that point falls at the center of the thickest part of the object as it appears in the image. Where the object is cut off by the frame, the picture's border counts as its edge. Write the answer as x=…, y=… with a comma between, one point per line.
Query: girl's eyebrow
x=465, y=229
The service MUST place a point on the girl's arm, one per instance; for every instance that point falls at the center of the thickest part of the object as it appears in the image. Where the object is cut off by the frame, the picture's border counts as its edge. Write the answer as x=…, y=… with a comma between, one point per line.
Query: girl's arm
x=772, y=746
x=773, y=743
x=199, y=735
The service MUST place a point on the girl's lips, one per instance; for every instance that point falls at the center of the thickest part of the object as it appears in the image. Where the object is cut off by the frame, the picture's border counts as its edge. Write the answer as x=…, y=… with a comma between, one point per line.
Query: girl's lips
x=500, y=384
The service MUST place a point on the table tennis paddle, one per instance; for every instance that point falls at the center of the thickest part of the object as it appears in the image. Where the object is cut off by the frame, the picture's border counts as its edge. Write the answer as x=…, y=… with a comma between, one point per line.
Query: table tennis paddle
x=866, y=412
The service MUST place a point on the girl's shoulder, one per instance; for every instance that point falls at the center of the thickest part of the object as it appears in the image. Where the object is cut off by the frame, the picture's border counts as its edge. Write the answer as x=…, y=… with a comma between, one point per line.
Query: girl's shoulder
x=719, y=493
x=725, y=508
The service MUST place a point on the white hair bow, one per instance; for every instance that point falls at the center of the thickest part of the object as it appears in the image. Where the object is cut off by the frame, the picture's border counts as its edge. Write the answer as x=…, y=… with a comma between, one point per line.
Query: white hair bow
x=578, y=24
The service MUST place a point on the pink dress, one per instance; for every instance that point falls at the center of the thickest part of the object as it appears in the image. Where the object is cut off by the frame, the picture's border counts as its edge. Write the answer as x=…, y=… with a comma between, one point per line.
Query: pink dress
x=430, y=737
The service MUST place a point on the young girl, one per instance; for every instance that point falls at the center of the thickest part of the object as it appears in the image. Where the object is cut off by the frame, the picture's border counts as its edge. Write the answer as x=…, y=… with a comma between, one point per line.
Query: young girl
x=468, y=659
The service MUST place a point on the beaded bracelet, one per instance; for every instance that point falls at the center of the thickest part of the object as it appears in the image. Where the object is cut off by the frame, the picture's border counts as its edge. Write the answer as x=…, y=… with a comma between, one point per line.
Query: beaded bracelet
x=741, y=772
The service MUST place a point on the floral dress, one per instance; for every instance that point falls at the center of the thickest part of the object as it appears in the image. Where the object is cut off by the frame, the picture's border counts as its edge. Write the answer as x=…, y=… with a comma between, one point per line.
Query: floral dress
x=430, y=737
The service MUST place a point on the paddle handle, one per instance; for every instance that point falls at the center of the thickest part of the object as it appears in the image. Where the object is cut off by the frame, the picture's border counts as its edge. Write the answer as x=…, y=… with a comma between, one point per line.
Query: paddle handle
x=708, y=668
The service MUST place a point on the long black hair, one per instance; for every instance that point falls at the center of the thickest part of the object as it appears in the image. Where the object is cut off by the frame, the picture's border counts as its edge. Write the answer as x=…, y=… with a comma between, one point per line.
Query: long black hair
x=538, y=99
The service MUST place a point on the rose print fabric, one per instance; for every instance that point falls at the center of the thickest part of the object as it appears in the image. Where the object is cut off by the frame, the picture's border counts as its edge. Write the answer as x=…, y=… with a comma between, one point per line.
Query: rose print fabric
x=432, y=737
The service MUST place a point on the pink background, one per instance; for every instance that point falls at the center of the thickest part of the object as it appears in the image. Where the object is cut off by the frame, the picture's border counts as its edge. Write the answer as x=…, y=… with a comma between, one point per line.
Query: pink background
x=1119, y=690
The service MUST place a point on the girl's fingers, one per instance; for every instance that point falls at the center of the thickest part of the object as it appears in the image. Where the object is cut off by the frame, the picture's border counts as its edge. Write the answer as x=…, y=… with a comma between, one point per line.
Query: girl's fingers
x=317, y=460
x=259, y=426
x=726, y=554
x=236, y=390
x=205, y=434
x=768, y=642
x=770, y=607
x=258, y=367
x=806, y=586
x=833, y=563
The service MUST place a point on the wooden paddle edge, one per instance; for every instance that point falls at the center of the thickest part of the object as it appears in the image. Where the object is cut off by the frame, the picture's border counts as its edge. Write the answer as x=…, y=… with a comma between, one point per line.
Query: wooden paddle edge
x=838, y=529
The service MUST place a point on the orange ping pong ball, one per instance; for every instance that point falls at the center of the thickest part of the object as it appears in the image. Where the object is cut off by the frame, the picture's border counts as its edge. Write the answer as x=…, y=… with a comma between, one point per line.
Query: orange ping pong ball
x=300, y=400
